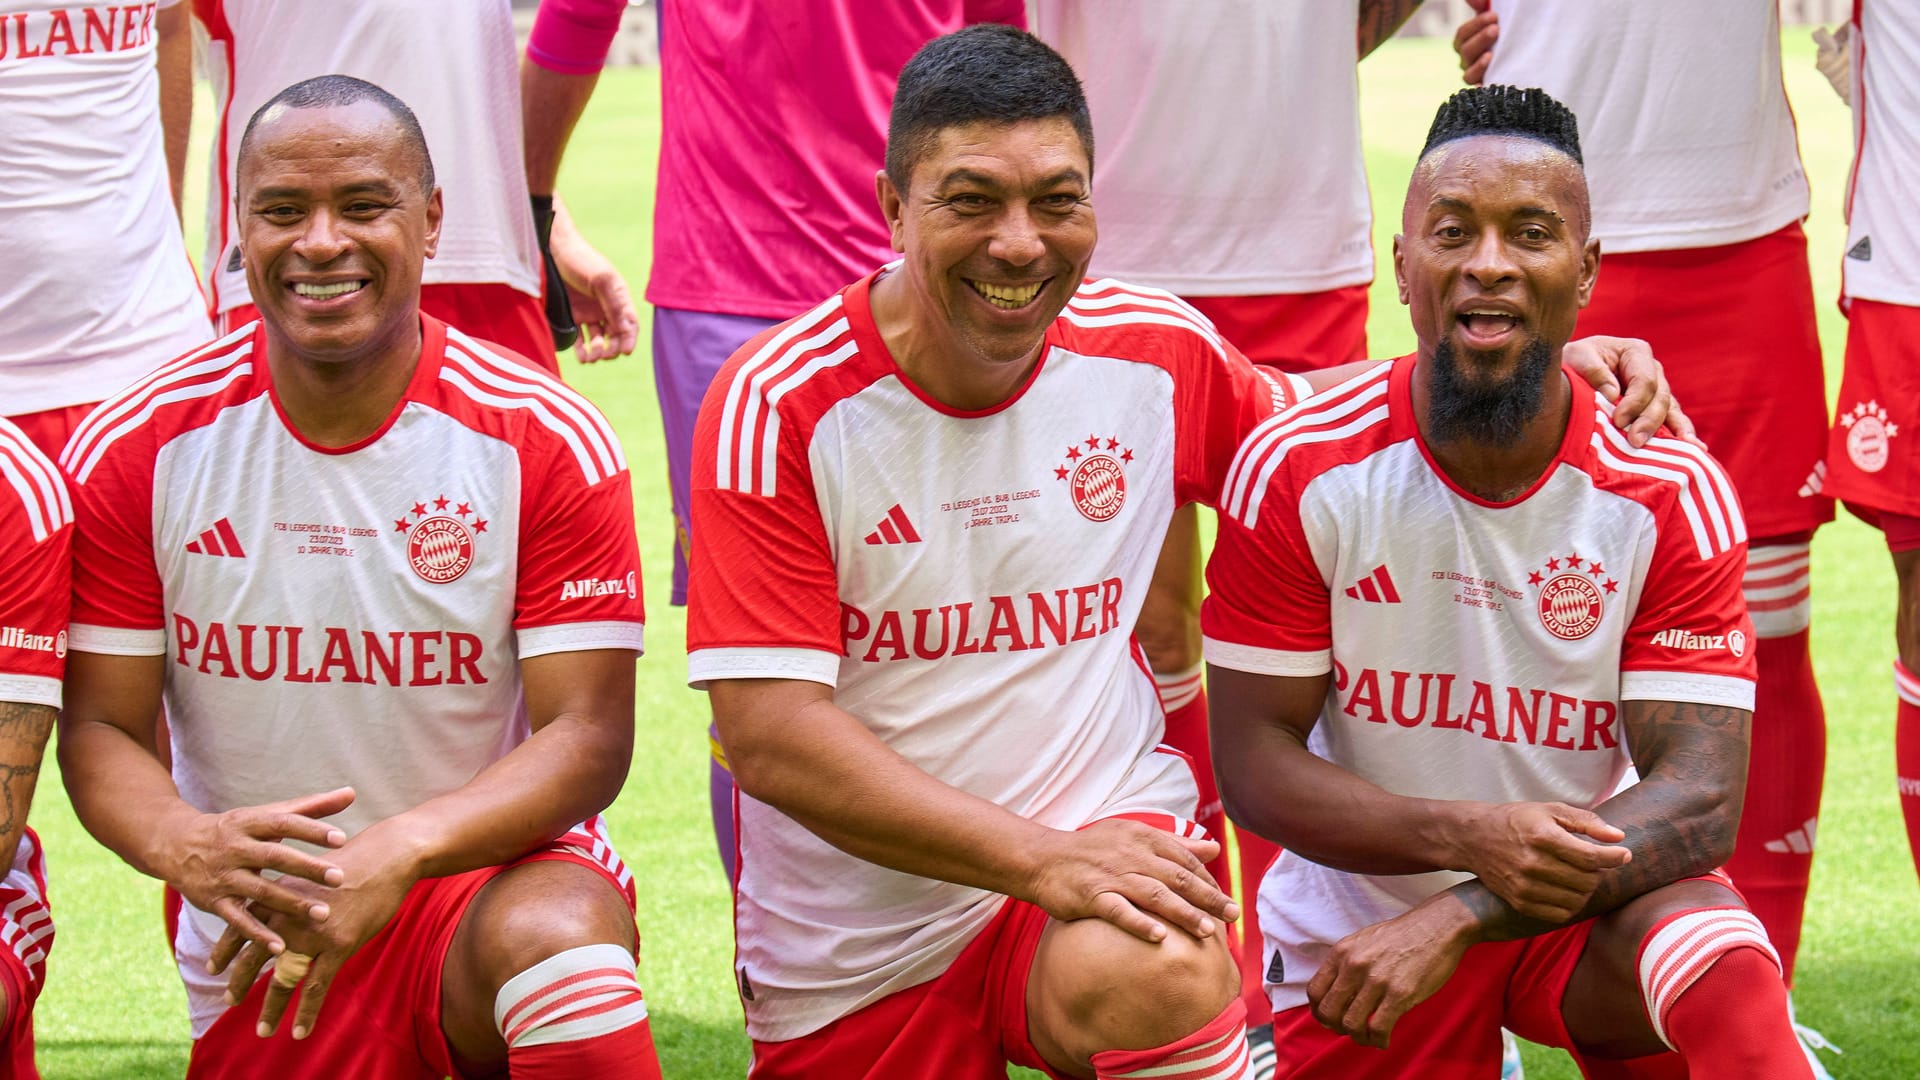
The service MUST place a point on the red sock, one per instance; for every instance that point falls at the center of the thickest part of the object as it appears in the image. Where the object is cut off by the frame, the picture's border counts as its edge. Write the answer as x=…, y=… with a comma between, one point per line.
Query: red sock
x=1773, y=855
x=1255, y=854
x=1215, y=1052
x=577, y=1013
x=1906, y=753
x=1712, y=989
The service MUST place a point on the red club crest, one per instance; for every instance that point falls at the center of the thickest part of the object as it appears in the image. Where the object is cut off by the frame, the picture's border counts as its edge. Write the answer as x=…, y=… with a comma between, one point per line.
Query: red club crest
x=1096, y=478
x=440, y=544
x=1570, y=607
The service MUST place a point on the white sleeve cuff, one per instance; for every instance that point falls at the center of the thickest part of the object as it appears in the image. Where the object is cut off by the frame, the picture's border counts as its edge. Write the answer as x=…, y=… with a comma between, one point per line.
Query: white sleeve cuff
x=30, y=689
x=1728, y=690
x=1300, y=665
x=810, y=665
x=579, y=637
x=116, y=640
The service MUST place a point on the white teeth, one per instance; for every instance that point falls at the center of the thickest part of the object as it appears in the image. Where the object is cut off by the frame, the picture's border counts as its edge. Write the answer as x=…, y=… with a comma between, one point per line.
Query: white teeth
x=327, y=292
x=1007, y=297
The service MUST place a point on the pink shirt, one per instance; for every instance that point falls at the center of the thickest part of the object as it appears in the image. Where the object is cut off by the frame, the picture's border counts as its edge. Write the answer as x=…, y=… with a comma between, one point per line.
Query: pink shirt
x=774, y=121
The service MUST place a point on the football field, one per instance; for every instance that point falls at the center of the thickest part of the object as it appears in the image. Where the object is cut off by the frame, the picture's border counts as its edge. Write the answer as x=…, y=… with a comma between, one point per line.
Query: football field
x=113, y=1006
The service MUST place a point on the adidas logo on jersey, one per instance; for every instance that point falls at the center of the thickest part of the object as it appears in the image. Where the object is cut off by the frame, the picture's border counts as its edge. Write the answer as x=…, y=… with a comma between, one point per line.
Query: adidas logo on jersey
x=894, y=529
x=1862, y=250
x=1797, y=842
x=219, y=540
x=1375, y=588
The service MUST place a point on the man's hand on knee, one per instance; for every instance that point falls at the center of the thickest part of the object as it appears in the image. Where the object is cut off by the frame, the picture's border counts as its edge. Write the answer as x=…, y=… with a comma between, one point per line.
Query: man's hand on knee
x=1134, y=876
x=1373, y=976
x=1543, y=859
x=219, y=861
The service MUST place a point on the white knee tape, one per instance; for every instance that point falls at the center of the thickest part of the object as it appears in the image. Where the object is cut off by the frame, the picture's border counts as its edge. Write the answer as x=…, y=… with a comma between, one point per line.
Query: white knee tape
x=573, y=995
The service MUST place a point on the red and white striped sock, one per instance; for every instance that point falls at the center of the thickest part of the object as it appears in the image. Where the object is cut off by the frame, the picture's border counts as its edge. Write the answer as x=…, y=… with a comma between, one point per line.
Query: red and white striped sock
x=1215, y=1052
x=1712, y=988
x=1906, y=752
x=577, y=1013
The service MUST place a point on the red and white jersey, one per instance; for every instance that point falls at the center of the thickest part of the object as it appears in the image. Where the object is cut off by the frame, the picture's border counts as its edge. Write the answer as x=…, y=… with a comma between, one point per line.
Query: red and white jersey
x=1883, y=239
x=352, y=615
x=1478, y=650
x=1684, y=123
x=967, y=582
x=453, y=62
x=1281, y=206
x=36, y=538
x=97, y=288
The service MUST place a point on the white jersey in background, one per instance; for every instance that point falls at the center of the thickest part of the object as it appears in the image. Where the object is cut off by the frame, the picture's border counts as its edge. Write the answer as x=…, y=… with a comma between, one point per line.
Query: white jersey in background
x=1227, y=141
x=453, y=62
x=1684, y=123
x=1883, y=233
x=1477, y=650
x=96, y=287
x=967, y=582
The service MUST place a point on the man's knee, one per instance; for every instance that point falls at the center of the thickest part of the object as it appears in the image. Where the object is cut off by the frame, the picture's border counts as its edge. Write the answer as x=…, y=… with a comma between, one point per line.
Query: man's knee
x=1096, y=987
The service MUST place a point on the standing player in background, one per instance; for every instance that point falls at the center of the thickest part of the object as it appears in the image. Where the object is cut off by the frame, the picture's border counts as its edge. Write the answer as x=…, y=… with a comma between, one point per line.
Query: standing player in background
x=499, y=139
x=773, y=115
x=1871, y=462
x=1436, y=747
x=1269, y=237
x=454, y=707
x=36, y=535
x=1698, y=196
x=97, y=286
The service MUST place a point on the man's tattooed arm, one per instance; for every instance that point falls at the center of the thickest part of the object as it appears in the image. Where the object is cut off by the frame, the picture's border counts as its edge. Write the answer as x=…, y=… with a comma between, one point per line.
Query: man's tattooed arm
x=23, y=740
x=1379, y=19
x=1680, y=819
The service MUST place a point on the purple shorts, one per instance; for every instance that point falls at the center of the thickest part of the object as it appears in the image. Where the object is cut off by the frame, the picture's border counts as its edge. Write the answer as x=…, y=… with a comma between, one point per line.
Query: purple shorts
x=688, y=349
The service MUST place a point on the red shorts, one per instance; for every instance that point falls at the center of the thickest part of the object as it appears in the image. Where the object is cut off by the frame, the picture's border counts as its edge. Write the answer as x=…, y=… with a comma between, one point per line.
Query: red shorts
x=968, y=1024
x=382, y=1017
x=26, y=928
x=1295, y=332
x=49, y=430
x=1734, y=326
x=1871, y=457
x=495, y=313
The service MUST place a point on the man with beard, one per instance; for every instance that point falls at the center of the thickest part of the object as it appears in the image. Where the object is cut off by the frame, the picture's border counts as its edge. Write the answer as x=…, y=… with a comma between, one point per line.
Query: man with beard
x=1448, y=602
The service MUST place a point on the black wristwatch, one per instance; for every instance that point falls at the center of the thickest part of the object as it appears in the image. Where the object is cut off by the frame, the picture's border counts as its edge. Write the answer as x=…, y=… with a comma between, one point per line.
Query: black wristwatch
x=559, y=307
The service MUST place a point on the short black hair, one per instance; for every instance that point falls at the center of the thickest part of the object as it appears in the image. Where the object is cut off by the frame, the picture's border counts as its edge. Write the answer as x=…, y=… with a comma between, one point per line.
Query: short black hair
x=987, y=71
x=1506, y=110
x=328, y=91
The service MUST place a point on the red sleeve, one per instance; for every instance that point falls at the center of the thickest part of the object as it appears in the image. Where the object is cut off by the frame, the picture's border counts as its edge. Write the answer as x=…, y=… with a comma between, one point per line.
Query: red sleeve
x=763, y=596
x=1268, y=610
x=1219, y=395
x=35, y=592
x=1690, y=638
x=578, y=585
x=117, y=596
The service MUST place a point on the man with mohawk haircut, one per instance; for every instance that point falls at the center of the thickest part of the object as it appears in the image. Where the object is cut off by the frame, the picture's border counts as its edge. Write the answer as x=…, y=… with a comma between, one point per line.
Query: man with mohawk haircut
x=1449, y=601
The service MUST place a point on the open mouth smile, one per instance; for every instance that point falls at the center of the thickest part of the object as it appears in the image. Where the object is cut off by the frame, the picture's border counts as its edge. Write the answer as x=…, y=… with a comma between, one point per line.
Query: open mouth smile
x=1008, y=297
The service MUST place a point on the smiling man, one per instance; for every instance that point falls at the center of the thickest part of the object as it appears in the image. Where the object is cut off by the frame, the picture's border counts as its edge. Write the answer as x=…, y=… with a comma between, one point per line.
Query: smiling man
x=384, y=581
x=1450, y=605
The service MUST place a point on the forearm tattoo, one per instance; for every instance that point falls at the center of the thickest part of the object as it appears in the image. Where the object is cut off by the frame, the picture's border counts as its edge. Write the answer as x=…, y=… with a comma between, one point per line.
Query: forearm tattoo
x=23, y=740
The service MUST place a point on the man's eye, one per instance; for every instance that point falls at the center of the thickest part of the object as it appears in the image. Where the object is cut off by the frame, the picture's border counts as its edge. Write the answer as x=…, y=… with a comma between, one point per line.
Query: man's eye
x=1061, y=202
x=1450, y=232
x=970, y=202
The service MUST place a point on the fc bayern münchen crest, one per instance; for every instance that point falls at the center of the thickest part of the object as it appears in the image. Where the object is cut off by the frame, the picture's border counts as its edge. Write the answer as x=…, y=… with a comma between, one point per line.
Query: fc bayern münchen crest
x=1096, y=477
x=440, y=543
x=1573, y=600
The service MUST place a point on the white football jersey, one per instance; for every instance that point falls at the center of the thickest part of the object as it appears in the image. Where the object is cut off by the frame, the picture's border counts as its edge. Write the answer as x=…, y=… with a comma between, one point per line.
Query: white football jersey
x=967, y=582
x=1684, y=122
x=453, y=62
x=1883, y=239
x=1477, y=650
x=1227, y=137
x=97, y=288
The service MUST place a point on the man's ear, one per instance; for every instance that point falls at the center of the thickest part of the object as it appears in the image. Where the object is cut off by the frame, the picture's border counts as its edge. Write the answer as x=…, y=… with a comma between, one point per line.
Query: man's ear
x=892, y=205
x=1400, y=268
x=1589, y=270
x=436, y=209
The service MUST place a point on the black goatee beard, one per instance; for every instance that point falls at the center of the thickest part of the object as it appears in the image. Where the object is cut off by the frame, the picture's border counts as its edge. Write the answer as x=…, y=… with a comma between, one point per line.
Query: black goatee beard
x=1462, y=408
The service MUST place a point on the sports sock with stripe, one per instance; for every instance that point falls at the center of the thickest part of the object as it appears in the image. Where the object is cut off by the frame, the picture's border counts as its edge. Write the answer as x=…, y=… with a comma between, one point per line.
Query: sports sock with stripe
x=1906, y=752
x=1217, y=1051
x=1712, y=988
x=577, y=1013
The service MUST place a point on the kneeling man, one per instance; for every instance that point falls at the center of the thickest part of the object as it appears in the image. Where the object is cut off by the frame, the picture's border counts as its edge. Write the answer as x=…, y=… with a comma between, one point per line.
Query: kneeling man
x=1451, y=604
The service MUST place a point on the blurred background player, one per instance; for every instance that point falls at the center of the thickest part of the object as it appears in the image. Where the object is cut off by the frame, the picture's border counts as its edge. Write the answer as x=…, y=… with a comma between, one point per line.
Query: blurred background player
x=455, y=707
x=36, y=536
x=1454, y=860
x=498, y=135
x=1698, y=196
x=773, y=120
x=1871, y=462
x=1270, y=238
x=98, y=287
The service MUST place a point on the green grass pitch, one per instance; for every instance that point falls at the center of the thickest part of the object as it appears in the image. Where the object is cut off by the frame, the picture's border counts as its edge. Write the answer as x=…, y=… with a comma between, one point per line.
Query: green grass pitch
x=113, y=1005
